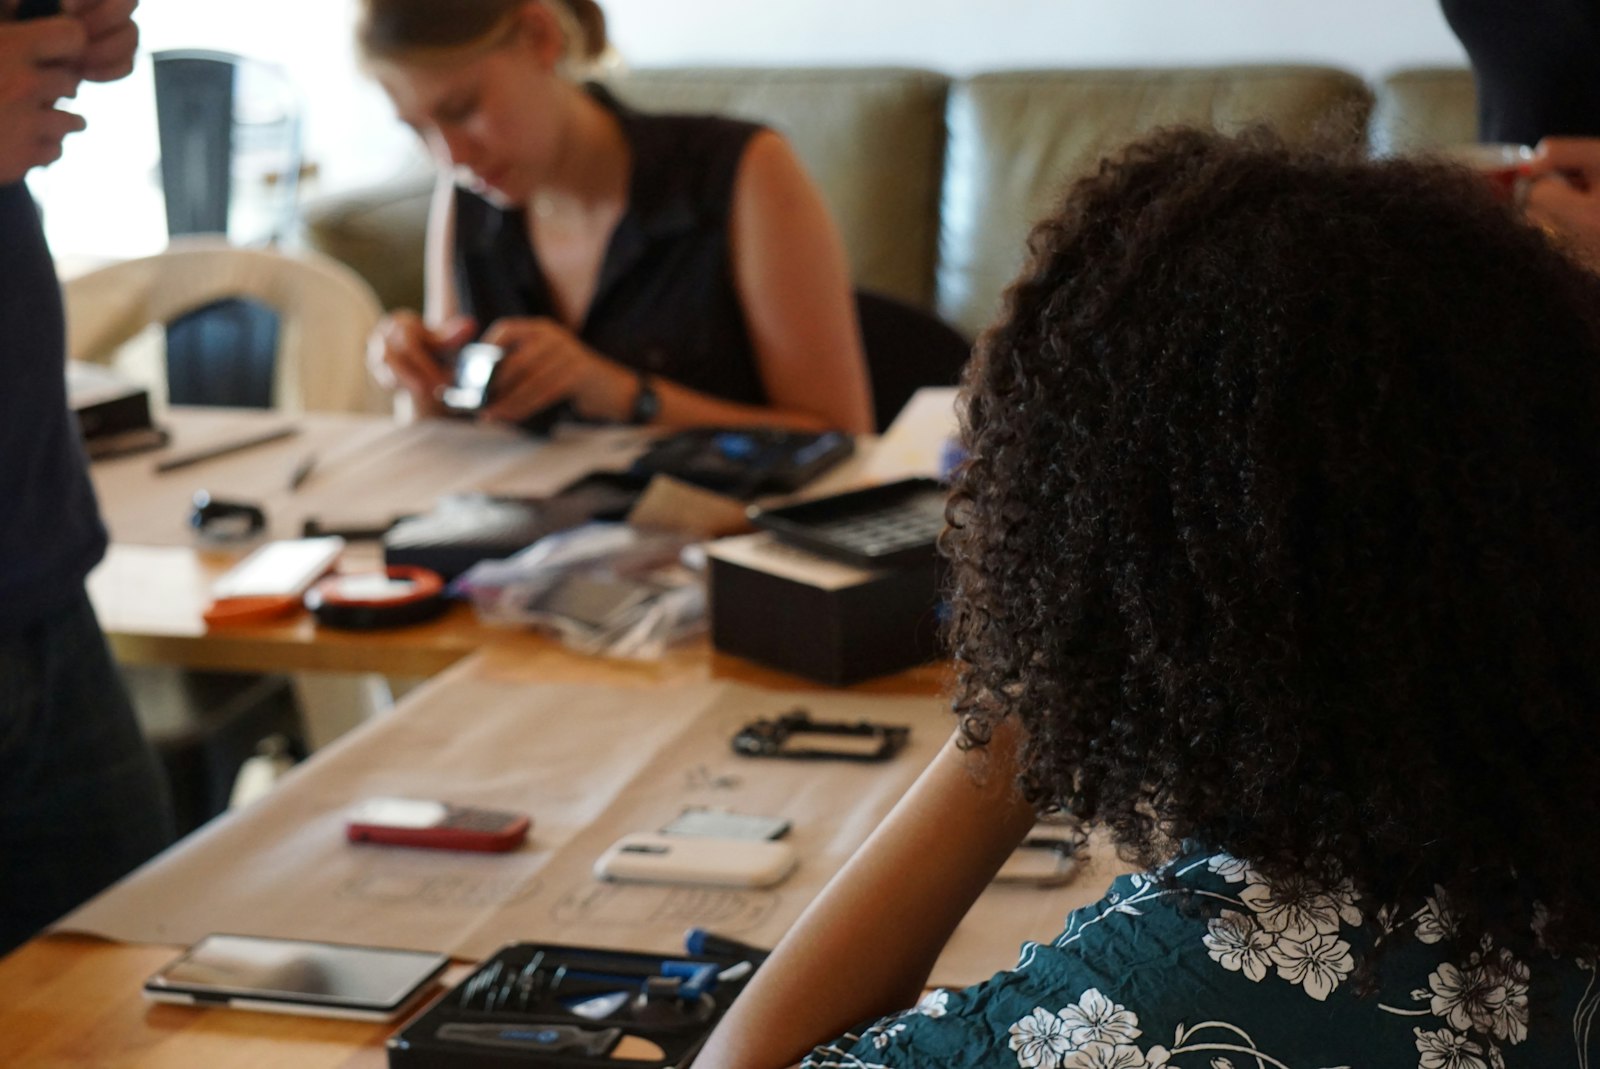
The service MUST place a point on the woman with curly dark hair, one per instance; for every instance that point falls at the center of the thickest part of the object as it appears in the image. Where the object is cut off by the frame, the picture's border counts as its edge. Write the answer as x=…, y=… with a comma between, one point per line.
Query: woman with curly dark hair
x=1278, y=557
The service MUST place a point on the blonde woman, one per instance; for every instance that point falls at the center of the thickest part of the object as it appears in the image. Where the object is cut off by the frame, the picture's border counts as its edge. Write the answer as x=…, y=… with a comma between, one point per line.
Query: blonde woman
x=673, y=270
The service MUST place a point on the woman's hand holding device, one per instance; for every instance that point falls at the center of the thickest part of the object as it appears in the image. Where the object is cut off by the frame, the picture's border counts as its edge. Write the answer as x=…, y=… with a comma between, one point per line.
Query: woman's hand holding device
x=546, y=364
x=404, y=351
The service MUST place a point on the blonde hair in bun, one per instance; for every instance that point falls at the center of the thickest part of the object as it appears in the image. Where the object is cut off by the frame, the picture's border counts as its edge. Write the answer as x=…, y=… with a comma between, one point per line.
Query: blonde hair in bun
x=397, y=29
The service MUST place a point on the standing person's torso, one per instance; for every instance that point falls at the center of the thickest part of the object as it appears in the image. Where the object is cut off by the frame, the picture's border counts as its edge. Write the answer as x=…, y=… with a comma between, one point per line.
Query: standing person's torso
x=50, y=531
x=1536, y=63
x=665, y=301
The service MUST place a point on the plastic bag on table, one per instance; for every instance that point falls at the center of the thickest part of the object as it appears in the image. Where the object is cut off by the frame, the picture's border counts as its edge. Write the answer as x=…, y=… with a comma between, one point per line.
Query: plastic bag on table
x=603, y=588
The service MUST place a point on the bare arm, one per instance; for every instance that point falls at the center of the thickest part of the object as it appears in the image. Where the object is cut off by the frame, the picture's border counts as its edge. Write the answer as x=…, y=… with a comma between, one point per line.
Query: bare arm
x=865, y=947
x=439, y=301
x=794, y=282
x=405, y=349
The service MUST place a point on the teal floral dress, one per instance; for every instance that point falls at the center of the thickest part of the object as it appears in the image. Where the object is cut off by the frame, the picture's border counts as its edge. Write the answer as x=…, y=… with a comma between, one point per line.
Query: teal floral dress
x=1243, y=973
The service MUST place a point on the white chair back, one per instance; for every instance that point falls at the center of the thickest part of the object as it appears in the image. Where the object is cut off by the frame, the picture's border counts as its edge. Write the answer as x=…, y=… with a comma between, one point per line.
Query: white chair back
x=326, y=311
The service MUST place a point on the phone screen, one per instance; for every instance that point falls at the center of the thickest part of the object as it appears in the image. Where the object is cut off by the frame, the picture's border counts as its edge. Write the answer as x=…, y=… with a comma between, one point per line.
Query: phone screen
x=401, y=812
x=474, y=372
x=220, y=968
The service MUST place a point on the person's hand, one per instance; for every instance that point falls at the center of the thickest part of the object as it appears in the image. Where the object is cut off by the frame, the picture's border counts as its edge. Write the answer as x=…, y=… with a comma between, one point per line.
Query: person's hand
x=545, y=364
x=1564, y=193
x=405, y=352
x=38, y=66
x=112, y=37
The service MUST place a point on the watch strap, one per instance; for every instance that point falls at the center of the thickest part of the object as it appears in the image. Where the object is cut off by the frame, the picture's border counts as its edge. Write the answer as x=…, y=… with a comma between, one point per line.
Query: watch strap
x=646, y=402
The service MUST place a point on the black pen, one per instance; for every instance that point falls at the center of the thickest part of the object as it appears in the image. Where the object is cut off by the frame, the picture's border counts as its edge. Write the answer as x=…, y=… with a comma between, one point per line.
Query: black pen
x=302, y=471
x=183, y=460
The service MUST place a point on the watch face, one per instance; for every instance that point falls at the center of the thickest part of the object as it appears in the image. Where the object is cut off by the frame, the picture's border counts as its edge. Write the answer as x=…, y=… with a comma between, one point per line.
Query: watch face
x=646, y=403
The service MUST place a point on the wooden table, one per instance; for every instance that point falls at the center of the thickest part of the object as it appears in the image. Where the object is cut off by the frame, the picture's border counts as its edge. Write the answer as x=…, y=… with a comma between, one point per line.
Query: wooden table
x=71, y=1001
x=154, y=584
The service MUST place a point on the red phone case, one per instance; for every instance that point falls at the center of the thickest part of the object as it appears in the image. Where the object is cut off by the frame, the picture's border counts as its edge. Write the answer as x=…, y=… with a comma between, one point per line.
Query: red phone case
x=463, y=829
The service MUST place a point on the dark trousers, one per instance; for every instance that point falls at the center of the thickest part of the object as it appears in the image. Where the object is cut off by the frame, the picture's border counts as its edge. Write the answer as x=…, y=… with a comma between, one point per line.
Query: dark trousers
x=82, y=798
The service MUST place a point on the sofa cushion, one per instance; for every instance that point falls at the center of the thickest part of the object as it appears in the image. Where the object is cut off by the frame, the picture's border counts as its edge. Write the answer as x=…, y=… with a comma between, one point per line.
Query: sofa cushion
x=1423, y=110
x=872, y=138
x=1018, y=138
x=379, y=231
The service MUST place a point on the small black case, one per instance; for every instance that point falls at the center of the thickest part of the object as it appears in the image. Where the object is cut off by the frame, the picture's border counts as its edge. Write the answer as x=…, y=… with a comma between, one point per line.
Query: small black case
x=745, y=462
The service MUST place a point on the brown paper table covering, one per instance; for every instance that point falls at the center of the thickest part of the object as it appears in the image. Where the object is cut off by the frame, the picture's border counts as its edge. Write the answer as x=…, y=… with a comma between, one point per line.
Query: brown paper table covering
x=590, y=764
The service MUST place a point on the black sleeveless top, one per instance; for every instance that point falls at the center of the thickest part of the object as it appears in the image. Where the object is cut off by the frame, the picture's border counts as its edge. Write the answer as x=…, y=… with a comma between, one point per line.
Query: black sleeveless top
x=1536, y=63
x=665, y=301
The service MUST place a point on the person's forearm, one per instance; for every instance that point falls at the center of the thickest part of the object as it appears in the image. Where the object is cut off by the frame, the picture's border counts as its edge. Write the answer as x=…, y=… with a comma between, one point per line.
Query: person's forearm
x=681, y=406
x=866, y=946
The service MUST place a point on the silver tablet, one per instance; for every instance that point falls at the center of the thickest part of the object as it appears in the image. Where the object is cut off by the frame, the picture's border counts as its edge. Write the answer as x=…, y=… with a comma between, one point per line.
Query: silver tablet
x=296, y=976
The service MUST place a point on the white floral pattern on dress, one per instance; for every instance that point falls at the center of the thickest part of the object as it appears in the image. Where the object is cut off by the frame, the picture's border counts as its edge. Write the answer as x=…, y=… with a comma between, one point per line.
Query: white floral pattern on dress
x=935, y=1003
x=1106, y=1056
x=1291, y=930
x=1096, y=1019
x=1232, y=869
x=1237, y=943
x=1296, y=909
x=1445, y=1049
x=1434, y=920
x=1318, y=964
x=1040, y=1040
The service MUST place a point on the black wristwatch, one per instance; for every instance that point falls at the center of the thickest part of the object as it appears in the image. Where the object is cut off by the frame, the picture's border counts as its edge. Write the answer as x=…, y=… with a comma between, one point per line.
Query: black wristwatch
x=646, y=403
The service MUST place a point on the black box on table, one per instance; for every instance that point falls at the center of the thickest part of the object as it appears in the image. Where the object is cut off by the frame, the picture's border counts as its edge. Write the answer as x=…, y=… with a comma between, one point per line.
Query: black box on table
x=790, y=609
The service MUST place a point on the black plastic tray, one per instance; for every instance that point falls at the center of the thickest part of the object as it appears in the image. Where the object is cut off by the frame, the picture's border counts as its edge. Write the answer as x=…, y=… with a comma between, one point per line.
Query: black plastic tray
x=524, y=993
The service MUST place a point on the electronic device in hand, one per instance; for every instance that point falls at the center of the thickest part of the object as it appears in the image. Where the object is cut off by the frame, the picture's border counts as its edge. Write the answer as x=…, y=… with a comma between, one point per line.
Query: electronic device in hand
x=646, y=857
x=435, y=825
x=474, y=376
x=279, y=569
x=297, y=976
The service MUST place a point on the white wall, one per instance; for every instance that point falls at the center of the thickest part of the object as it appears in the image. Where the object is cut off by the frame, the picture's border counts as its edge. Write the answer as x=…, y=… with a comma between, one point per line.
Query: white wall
x=102, y=199
x=1367, y=36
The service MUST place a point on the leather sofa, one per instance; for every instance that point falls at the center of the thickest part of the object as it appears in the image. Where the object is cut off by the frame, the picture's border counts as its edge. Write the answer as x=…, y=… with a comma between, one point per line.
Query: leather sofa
x=934, y=180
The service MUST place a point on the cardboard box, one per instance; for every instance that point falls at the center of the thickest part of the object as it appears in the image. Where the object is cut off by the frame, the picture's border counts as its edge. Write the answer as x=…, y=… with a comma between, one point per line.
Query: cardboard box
x=792, y=610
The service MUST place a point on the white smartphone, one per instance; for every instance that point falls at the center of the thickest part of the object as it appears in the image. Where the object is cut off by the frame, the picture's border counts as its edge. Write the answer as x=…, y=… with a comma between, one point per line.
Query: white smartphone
x=650, y=857
x=297, y=976
x=286, y=569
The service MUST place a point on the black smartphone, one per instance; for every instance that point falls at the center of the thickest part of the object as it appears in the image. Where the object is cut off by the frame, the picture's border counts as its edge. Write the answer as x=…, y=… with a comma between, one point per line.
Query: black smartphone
x=37, y=9
x=297, y=976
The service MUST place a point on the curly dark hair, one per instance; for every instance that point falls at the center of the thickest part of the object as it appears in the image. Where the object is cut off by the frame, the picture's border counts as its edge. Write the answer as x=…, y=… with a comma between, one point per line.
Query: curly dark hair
x=1279, y=528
